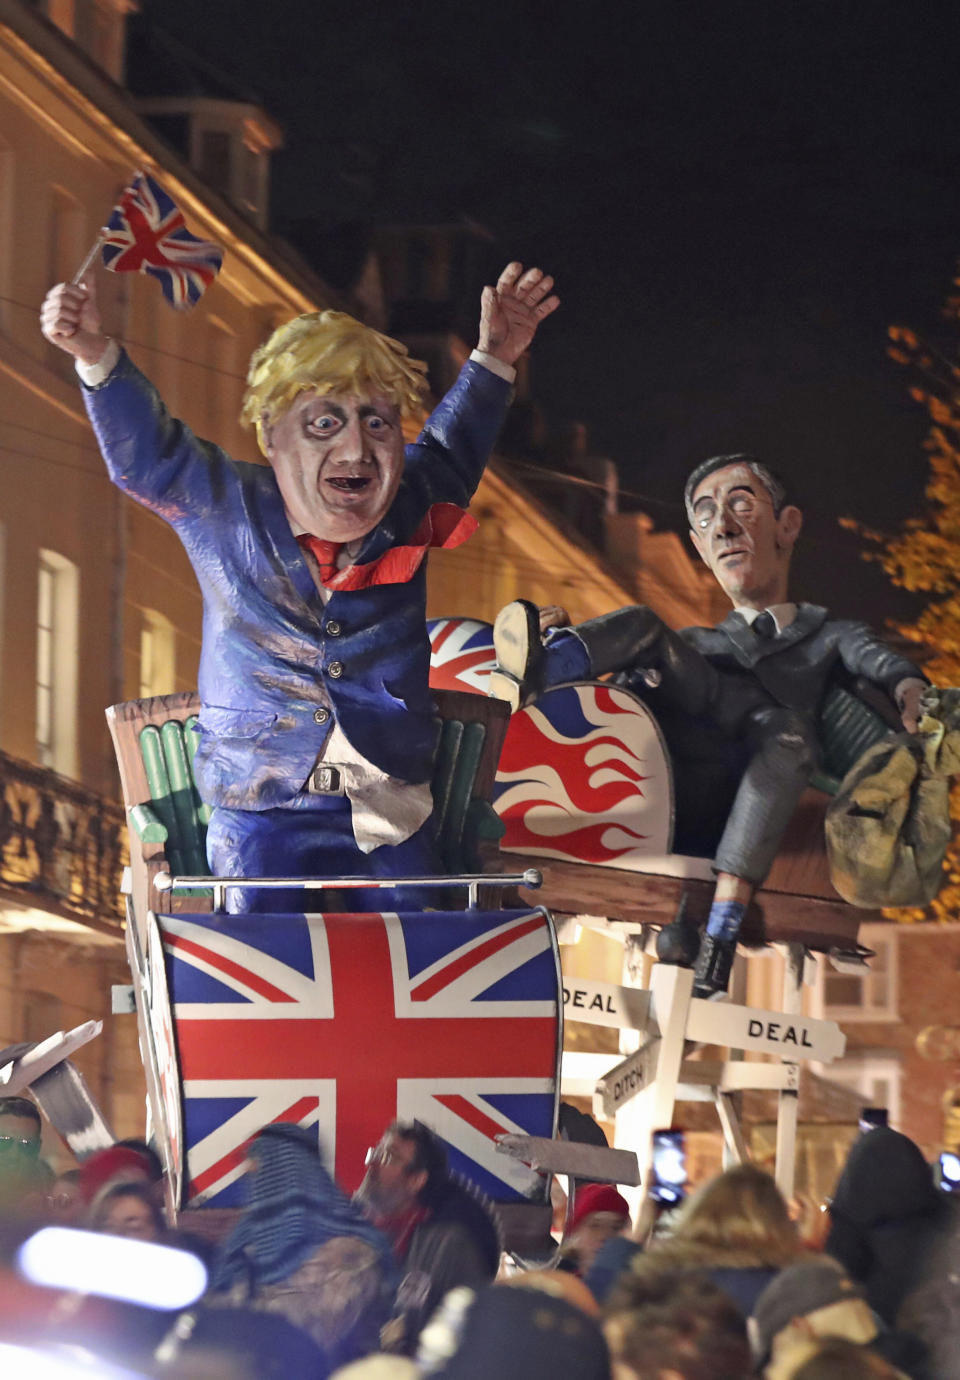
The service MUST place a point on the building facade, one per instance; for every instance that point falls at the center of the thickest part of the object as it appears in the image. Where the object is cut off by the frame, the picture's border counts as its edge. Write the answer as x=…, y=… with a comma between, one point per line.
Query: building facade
x=97, y=600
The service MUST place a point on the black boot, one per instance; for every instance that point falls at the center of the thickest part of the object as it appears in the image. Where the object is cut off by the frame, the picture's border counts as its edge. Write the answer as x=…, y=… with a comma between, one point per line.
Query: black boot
x=519, y=649
x=679, y=942
x=714, y=962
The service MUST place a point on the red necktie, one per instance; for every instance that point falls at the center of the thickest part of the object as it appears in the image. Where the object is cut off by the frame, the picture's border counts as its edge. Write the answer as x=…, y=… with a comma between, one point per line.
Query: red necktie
x=325, y=554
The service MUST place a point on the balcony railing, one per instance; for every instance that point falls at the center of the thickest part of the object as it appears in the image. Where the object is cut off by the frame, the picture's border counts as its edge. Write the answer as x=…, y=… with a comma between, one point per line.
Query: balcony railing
x=62, y=847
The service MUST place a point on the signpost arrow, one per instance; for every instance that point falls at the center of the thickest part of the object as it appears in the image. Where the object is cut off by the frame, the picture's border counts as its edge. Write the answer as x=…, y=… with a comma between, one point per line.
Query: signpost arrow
x=605, y=1003
x=790, y=1037
x=624, y=1081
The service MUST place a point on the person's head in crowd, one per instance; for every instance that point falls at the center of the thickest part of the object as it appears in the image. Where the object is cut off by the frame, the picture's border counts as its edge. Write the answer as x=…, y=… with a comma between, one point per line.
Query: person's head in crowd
x=740, y=1210
x=885, y=1178
x=303, y=1248
x=407, y=1168
x=20, y=1125
x=238, y=1344
x=560, y=1284
x=599, y=1212
x=674, y=1324
x=151, y=1160
x=22, y=1173
x=127, y=1209
x=64, y=1199
x=835, y=1358
x=293, y=1206
x=115, y=1165
x=806, y=1301
x=511, y=1334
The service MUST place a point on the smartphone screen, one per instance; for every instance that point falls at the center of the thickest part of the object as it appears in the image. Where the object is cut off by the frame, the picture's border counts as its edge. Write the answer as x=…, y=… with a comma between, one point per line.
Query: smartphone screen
x=948, y=1171
x=669, y=1167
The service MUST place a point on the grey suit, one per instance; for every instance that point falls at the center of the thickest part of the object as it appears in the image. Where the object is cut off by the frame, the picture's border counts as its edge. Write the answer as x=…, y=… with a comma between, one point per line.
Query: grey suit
x=762, y=692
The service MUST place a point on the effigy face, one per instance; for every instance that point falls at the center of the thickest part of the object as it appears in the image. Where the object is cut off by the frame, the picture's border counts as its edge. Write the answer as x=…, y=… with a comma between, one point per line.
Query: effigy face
x=338, y=461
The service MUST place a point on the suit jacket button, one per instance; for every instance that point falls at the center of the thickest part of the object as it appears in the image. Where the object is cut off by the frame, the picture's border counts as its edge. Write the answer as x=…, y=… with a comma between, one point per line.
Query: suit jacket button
x=335, y=670
x=320, y=716
x=332, y=628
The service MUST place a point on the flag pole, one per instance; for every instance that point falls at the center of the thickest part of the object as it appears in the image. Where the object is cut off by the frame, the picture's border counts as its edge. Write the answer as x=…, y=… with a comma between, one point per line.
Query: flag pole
x=88, y=259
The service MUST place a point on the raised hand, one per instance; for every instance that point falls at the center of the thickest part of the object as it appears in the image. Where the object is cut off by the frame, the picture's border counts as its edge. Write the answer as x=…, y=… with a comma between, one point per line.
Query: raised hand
x=511, y=312
x=70, y=319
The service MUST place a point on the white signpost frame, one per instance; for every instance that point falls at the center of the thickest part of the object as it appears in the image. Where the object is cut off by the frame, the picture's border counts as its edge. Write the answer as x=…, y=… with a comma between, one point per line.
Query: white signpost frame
x=658, y=1075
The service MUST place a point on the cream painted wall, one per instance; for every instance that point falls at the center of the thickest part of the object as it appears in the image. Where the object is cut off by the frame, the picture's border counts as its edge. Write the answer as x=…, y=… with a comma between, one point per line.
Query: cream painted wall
x=50, y=980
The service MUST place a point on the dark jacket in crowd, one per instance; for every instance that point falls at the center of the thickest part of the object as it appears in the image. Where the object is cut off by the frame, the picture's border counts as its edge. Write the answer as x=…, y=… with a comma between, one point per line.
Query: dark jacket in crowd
x=887, y=1218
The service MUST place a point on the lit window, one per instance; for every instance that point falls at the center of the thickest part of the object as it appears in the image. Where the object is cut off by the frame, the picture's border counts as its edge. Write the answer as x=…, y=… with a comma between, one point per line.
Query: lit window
x=215, y=158
x=58, y=583
x=67, y=243
x=869, y=994
x=157, y=655
x=875, y=1079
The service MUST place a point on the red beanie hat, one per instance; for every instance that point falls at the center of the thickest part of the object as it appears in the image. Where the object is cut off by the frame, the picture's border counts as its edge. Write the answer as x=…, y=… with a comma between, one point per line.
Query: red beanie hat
x=597, y=1198
x=118, y=1162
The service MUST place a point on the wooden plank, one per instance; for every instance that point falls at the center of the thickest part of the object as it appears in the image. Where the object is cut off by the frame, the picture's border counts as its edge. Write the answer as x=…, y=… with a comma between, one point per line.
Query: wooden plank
x=572, y=1157
x=645, y=899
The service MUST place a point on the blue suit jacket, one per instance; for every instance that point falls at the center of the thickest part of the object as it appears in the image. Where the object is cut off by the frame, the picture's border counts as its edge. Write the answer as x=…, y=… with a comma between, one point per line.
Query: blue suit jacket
x=272, y=653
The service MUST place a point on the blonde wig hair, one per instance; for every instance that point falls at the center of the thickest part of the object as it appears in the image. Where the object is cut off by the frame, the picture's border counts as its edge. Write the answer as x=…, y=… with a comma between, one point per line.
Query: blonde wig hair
x=741, y=1210
x=331, y=351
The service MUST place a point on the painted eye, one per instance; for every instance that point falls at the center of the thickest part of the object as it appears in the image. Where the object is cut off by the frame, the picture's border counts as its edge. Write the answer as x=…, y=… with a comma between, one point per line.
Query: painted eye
x=741, y=504
x=705, y=515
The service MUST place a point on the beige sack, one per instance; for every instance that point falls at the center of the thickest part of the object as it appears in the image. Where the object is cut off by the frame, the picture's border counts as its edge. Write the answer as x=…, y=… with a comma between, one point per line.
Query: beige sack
x=888, y=827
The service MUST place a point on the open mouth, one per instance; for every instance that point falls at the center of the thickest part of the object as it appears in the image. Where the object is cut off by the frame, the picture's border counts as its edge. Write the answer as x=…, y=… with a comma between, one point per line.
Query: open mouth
x=349, y=483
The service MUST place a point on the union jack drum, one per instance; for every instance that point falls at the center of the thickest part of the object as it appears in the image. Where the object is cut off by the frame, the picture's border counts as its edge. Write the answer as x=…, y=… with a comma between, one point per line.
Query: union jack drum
x=345, y=1022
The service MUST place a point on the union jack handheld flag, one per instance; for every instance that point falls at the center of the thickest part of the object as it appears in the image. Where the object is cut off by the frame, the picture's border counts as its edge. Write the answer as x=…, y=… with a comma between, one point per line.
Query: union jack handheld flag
x=147, y=234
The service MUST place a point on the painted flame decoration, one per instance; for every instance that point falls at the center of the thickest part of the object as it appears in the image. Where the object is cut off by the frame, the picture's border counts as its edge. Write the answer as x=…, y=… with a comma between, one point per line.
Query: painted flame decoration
x=583, y=777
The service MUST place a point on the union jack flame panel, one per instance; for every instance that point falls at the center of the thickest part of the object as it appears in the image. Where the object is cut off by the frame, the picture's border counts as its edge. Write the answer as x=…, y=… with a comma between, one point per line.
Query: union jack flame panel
x=584, y=775
x=345, y=1022
x=461, y=654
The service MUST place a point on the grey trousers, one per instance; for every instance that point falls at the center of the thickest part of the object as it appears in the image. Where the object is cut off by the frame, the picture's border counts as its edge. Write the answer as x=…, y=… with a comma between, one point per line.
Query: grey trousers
x=781, y=743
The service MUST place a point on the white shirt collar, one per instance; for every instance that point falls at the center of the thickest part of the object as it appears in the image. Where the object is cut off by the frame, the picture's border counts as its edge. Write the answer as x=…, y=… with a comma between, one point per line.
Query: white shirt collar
x=782, y=614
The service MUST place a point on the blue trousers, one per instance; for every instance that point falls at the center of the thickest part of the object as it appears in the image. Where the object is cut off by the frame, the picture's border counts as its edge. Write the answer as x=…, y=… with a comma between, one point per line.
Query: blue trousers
x=316, y=841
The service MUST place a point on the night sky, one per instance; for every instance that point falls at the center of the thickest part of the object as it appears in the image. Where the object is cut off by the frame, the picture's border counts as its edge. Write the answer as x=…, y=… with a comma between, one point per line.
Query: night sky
x=736, y=200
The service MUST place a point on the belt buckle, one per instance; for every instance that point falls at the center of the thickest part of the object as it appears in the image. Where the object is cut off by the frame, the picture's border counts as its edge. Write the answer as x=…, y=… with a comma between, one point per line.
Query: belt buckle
x=325, y=779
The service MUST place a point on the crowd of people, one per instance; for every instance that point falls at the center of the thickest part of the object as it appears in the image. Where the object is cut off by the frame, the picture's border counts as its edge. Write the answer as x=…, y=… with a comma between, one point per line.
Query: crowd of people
x=408, y=1277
